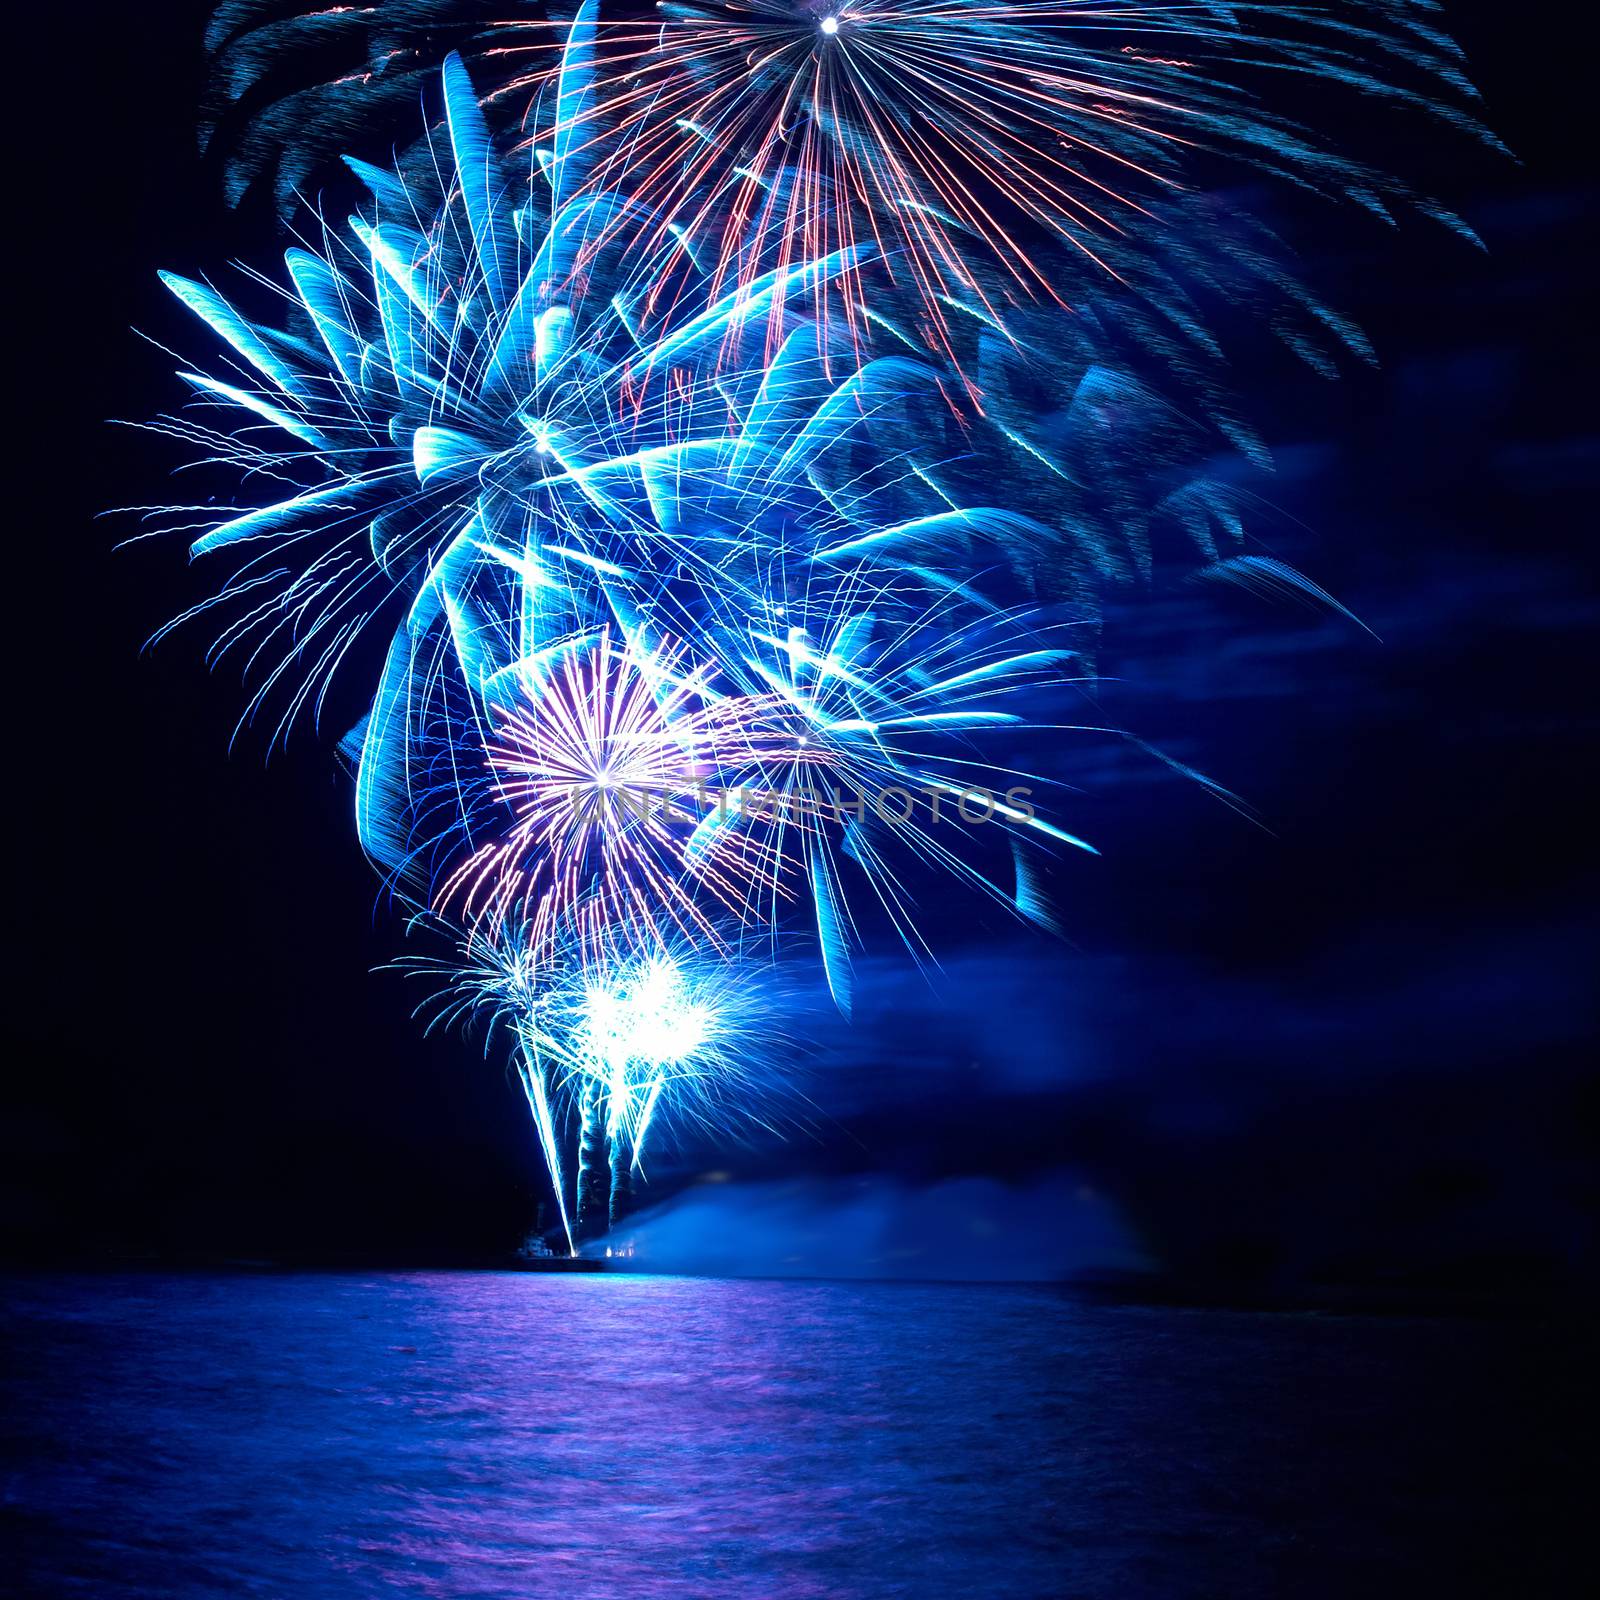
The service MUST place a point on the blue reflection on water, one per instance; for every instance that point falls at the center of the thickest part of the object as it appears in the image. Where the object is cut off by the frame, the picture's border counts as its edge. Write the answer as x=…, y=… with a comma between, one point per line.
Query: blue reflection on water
x=440, y=1434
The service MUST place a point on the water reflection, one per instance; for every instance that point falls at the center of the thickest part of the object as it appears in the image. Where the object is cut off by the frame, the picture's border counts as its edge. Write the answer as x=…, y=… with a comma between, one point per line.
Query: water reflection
x=507, y=1435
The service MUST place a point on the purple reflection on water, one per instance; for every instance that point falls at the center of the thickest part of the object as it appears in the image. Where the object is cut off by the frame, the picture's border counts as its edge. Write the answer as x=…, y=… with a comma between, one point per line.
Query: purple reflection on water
x=439, y=1434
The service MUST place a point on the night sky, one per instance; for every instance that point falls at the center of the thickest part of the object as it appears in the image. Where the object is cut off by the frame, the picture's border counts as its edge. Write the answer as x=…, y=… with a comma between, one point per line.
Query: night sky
x=1341, y=1044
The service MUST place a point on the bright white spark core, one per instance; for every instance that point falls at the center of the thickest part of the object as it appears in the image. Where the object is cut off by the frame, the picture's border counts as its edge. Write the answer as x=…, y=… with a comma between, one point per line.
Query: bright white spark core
x=647, y=1017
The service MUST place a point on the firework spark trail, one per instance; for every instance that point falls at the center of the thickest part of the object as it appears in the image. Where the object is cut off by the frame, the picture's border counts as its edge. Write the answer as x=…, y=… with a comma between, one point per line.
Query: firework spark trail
x=531, y=1072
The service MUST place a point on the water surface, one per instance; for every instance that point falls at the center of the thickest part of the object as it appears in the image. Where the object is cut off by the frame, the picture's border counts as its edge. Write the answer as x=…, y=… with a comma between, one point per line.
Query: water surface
x=444, y=1434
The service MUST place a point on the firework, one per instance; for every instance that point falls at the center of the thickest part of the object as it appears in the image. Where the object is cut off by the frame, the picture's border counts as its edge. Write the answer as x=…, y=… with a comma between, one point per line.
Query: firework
x=731, y=472
x=662, y=1031
x=910, y=739
x=635, y=554
x=445, y=391
x=970, y=153
x=608, y=1053
x=595, y=765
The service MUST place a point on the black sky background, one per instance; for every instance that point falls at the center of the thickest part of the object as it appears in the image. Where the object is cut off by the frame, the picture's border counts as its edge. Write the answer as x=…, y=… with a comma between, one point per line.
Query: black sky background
x=1345, y=1046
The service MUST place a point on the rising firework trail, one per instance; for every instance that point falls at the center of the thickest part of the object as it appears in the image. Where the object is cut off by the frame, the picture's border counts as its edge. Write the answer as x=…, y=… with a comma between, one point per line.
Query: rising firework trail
x=615, y=1054
x=499, y=985
x=660, y=1037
